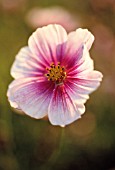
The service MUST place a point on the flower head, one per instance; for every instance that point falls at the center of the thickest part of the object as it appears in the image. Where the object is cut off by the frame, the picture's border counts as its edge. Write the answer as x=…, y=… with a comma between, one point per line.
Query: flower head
x=54, y=75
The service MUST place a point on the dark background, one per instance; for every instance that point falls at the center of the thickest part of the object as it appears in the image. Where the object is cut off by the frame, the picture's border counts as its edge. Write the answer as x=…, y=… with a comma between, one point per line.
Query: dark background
x=89, y=143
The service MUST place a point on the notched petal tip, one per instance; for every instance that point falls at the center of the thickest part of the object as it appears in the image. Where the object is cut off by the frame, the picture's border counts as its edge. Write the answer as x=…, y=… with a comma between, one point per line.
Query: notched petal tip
x=85, y=36
x=97, y=75
x=101, y=76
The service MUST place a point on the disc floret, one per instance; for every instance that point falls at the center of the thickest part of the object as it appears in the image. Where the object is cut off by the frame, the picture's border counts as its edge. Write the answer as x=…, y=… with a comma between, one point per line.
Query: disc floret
x=56, y=73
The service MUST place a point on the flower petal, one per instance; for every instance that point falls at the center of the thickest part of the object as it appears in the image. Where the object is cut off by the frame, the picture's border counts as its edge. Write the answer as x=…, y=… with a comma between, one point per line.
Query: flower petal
x=80, y=107
x=27, y=64
x=71, y=59
x=62, y=110
x=83, y=66
x=79, y=88
x=31, y=96
x=85, y=36
x=47, y=43
x=76, y=93
x=76, y=47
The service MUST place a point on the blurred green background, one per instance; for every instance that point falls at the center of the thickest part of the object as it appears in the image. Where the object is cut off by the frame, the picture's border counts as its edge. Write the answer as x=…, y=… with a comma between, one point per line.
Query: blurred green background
x=89, y=143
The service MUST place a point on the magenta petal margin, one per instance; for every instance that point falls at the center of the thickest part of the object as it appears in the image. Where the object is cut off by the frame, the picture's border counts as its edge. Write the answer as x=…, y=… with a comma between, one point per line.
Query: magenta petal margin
x=54, y=75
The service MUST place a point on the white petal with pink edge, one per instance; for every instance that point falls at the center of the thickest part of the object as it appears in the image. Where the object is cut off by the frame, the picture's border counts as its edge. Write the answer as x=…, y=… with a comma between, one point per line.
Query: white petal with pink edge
x=31, y=96
x=62, y=110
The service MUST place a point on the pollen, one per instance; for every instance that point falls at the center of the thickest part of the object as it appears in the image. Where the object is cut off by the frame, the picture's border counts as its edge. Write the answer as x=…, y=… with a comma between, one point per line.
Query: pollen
x=56, y=73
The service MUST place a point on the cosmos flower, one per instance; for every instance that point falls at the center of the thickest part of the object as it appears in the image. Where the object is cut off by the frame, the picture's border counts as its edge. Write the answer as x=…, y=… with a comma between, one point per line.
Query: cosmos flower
x=38, y=17
x=54, y=75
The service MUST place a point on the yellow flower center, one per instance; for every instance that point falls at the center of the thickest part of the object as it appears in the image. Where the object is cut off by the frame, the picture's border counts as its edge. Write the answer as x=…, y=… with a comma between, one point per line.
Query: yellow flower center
x=56, y=73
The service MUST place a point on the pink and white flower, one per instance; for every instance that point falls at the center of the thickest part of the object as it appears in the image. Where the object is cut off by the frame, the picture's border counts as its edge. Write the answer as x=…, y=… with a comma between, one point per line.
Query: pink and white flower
x=54, y=75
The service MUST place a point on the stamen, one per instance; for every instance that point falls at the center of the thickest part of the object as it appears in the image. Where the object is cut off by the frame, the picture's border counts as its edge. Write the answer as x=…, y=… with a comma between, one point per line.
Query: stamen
x=56, y=73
